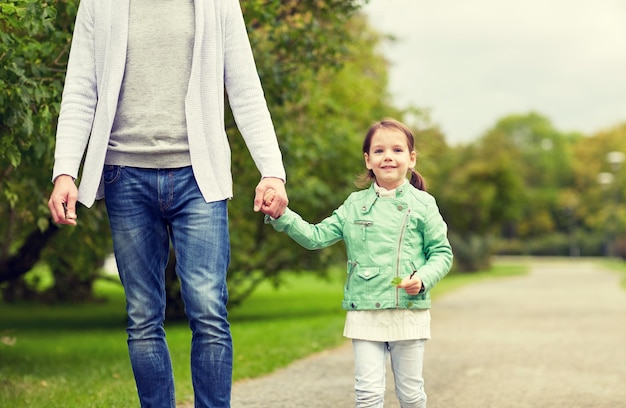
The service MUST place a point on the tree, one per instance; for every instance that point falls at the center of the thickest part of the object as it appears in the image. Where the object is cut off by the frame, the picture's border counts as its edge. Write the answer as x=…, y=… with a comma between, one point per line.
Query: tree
x=545, y=155
x=548, y=200
x=34, y=43
x=601, y=205
x=482, y=193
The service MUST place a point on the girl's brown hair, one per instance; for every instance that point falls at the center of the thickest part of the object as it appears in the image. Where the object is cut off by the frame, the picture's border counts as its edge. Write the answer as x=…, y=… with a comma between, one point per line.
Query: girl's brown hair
x=365, y=179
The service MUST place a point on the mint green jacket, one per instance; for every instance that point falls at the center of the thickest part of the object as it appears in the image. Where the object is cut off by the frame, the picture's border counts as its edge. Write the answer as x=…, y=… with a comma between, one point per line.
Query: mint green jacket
x=385, y=237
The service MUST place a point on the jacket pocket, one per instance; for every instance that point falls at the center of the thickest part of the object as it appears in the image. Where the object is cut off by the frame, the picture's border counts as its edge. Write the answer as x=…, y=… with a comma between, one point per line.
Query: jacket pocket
x=362, y=226
x=368, y=273
x=369, y=285
x=357, y=233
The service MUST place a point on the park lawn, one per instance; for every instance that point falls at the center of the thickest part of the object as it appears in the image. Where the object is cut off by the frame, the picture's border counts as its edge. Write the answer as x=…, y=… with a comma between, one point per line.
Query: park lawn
x=75, y=355
x=618, y=265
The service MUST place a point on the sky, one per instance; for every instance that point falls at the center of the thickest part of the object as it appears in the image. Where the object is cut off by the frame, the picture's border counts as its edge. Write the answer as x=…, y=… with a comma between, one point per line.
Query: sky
x=472, y=62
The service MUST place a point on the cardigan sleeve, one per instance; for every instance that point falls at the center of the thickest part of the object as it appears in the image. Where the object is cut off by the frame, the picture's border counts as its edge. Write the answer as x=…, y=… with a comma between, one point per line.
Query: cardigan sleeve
x=79, y=96
x=246, y=97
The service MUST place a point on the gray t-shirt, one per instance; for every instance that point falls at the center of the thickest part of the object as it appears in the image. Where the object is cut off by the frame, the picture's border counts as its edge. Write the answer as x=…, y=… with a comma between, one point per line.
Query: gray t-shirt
x=150, y=128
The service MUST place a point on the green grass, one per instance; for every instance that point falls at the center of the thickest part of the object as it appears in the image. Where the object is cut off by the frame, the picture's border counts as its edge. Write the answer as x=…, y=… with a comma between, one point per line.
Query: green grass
x=617, y=265
x=75, y=355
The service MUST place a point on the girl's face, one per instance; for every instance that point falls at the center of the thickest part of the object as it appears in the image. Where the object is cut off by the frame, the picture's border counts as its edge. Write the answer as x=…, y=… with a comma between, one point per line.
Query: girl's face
x=389, y=157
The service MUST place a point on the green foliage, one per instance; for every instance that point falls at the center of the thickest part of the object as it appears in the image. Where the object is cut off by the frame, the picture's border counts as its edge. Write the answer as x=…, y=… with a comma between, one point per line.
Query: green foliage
x=481, y=192
x=293, y=38
x=29, y=85
x=554, y=244
x=618, y=266
x=536, y=191
x=472, y=252
x=602, y=206
x=524, y=180
x=29, y=92
x=545, y=155
x=34, y=43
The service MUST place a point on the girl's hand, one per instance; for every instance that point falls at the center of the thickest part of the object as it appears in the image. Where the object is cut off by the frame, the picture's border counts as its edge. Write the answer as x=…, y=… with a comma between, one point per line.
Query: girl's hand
x=268, y=197
x=411, y=284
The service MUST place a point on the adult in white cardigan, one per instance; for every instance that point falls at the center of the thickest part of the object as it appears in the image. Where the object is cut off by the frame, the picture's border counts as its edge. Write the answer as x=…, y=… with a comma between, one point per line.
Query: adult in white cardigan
x=143, y=107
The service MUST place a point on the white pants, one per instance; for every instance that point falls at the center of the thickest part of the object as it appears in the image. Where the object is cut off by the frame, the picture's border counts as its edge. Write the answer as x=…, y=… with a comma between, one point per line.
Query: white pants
x=407, y=362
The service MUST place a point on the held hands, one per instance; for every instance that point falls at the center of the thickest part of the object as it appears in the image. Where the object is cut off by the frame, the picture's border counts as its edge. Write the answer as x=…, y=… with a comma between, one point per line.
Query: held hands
x=271, y=197
x=62, y=203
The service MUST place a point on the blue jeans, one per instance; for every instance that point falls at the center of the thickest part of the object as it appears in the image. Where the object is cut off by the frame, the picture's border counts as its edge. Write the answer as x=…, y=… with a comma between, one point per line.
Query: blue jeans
x=147, y=208
x=407, y=362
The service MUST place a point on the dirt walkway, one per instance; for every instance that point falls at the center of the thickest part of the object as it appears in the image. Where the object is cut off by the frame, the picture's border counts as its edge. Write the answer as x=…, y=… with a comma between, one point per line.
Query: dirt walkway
x=553, y=338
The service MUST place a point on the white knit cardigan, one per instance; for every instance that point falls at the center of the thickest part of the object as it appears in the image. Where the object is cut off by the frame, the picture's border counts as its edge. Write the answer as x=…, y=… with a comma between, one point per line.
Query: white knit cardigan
x=222, y=59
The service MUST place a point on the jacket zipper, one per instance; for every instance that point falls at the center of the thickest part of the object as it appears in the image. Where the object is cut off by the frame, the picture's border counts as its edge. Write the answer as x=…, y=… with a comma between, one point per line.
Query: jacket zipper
x=399, y=251
x=364, y=225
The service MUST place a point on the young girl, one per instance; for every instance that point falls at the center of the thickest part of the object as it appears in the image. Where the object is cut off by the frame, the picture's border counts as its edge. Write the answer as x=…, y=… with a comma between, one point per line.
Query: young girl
x=397, y=251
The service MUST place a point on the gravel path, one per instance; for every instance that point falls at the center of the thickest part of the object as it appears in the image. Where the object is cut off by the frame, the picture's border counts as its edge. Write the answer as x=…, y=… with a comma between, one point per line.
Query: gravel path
x=553, y=338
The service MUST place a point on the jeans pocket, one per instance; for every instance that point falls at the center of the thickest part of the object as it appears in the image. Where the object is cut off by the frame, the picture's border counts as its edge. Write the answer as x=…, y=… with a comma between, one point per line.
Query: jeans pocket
x=111, y=173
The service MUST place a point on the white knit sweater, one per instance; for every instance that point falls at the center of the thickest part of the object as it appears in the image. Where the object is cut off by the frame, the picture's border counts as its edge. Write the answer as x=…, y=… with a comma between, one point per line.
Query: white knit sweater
x=222, y=60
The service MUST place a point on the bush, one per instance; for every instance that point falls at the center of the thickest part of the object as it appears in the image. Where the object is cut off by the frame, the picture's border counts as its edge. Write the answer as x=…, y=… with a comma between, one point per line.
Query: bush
x=557, y=244
x=471, y=252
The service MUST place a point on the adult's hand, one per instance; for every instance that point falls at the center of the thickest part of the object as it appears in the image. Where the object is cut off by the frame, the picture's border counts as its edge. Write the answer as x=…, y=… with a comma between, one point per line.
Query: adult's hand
x=276, y=206
x=62, y=202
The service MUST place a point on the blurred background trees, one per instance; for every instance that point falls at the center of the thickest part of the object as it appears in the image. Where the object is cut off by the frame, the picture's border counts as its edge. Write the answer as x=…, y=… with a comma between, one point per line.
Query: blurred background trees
x=523, y=188
x=34, y=44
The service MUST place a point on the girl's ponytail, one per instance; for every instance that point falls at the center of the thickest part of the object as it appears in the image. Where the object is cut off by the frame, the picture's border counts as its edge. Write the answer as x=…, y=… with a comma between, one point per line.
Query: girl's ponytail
x=417, y=180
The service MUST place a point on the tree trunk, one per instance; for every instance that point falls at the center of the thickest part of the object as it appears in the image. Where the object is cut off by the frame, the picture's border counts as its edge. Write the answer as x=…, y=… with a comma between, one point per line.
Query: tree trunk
x=19, y=264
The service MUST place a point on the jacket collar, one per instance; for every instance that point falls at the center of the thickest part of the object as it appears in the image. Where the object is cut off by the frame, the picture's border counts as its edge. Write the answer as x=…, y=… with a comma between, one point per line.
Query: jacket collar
x=372, y=196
